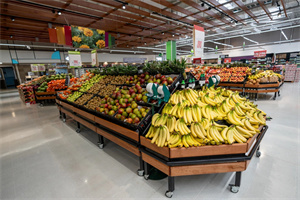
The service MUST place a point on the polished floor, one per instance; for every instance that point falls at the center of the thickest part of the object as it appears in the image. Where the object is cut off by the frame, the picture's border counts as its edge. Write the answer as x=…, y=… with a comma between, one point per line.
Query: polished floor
x=43, y=158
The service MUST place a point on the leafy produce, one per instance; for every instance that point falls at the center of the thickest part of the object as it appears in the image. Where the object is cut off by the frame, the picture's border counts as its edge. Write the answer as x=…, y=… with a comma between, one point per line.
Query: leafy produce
x=190, y=119
x=83, y=99
x=74, y=96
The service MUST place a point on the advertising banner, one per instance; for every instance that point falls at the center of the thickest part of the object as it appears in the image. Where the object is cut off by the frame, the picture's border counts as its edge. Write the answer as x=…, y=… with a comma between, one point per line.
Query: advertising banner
x=94, y=58
x=74, y=59
x=198, y=40
x=260, y=54
x=88, y=38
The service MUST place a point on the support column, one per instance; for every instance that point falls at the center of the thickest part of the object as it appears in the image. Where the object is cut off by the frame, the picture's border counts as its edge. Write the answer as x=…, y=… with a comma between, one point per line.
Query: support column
x=171, y=50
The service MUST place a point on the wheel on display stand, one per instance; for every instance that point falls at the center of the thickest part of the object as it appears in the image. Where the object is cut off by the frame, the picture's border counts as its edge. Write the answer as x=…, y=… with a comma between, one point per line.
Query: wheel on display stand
x=169, y=194
x=234, y=189
x=140, y=172
x=64, y=120
x=78, y=130
x=101, y=146
x=258, y=153
x=146, y=176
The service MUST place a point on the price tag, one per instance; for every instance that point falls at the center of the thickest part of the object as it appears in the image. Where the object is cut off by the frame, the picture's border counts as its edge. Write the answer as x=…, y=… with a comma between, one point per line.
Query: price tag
x=201, y=82
x=177, y=84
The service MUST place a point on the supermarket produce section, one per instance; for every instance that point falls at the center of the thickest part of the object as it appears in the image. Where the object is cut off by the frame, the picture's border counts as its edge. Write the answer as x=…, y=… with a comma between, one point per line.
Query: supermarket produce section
x=198, y=131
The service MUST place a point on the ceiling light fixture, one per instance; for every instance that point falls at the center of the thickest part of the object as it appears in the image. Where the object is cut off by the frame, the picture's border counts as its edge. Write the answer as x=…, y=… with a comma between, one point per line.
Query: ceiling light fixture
x=284, y=35
x=202, y=4
x=173, y=35
x=124, y=7
x=58, y=12
x=12, y=19
x=11, y=36
x=162, y=33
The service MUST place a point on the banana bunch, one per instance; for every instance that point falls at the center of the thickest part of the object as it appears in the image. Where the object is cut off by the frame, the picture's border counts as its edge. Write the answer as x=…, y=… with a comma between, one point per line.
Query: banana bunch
x=160, y=135
x=189, y=119
x=181, y=127
x=176, y=98
x=191, y=96
x=159, y=120
x=171, y=121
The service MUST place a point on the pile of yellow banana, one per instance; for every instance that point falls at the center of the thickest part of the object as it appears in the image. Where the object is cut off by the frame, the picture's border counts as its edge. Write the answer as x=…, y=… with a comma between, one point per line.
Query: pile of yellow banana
x=267, y=74
x=189, y=119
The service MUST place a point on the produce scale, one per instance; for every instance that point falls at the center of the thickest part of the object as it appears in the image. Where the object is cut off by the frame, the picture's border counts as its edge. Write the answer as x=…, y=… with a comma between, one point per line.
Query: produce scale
x=203, y=131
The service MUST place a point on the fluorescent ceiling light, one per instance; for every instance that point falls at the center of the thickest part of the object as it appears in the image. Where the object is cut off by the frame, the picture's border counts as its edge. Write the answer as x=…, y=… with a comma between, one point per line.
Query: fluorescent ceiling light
x=284, y=34
x=159, y=51
x=250, y=40
x=128, y=51
x=220, y=43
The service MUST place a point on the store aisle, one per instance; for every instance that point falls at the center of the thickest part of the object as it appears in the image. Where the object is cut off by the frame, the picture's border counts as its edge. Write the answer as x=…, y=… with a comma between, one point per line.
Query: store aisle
x=43, y=158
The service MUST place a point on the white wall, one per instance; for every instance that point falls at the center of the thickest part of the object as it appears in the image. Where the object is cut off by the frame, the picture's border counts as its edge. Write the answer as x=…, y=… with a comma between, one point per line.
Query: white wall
x=278, y=48
x=30, y=57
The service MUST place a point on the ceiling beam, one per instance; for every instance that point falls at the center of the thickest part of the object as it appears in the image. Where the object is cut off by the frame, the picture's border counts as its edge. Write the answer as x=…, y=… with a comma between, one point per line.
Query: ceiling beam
x=245, y=9
x=227, y=11
x=264, y=7
x=283, y=5
x=208, y=12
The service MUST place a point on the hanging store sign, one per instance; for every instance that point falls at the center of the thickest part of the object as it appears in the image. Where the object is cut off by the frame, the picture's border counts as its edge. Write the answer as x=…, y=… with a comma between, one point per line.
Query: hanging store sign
x=94, y=58
x=34, y=67
x=260, y=54
x=75, y=59
x=198, y=40
x=197, y=61
x=227, y=60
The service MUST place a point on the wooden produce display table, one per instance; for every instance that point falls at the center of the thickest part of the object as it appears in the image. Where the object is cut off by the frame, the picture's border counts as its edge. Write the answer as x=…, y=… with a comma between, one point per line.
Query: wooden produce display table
x=124, y=137
x=173, y=162
x=263, y=88
x=254, y=89
x=201, y=160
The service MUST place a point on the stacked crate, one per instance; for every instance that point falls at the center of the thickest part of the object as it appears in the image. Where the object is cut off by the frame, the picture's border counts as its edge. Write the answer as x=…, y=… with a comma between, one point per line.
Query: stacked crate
x=290, y=72
x=297, y=77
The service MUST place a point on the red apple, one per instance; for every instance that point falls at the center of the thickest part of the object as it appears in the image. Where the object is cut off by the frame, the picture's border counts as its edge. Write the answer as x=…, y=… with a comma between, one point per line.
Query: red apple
x=98, y=109
x=165, y=83
x=131, y=78
x=129, y=120
x=146, y=73
x=163, y=76
x=106, y=111
x=131, y=91
x=136, y=120
x=138, y=97
x=142, y=75
x=109, y=107
x=111, y=113
x=121, y=110
x=118, y=116
x=142, y=81
x=123, y=105
x=105, y=105
x=158, y=76
x=123, y=118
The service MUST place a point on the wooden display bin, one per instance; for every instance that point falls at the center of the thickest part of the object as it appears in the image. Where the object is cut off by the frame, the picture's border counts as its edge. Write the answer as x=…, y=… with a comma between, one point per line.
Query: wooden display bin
x=186, y=170
x=208, y=150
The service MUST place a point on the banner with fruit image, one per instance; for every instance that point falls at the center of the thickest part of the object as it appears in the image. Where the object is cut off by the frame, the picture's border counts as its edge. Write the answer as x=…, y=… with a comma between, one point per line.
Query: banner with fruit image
x=88, y=38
